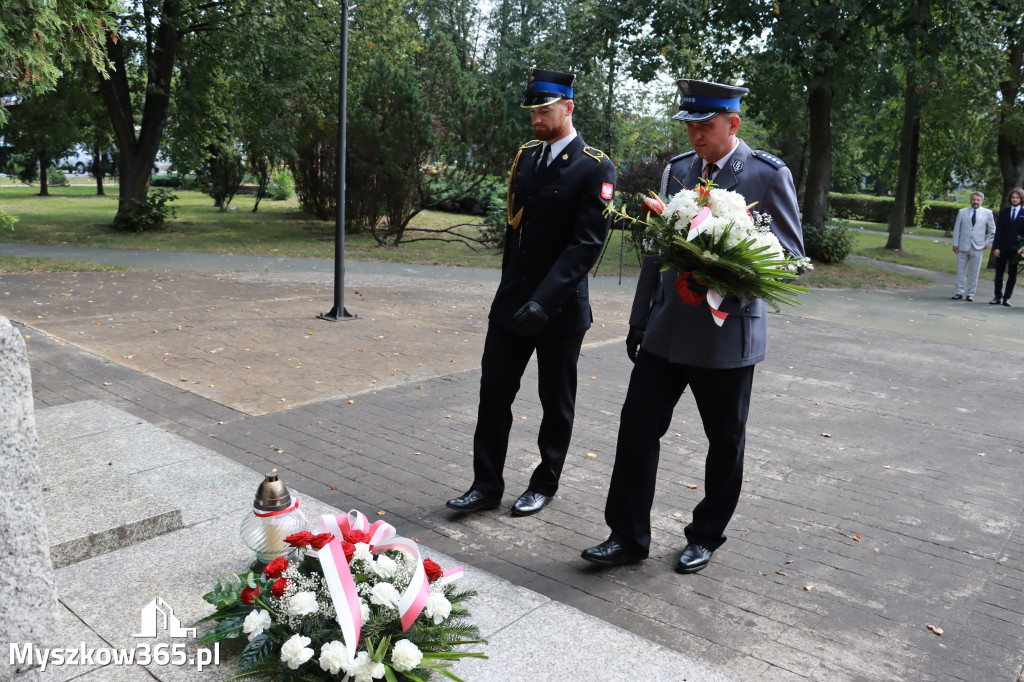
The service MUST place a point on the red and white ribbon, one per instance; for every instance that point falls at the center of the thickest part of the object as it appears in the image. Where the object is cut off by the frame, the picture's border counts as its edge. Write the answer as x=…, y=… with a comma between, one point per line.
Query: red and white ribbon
x=342, y=587
x=695, y=230
x=714, y=300
x=294, y=506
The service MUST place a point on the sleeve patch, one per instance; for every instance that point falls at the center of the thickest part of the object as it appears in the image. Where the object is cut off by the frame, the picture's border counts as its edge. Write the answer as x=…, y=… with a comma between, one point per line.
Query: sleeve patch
x=607, y=191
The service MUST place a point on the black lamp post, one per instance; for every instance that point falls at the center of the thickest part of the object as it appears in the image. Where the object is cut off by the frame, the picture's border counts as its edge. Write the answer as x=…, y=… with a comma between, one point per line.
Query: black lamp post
x=338, y=312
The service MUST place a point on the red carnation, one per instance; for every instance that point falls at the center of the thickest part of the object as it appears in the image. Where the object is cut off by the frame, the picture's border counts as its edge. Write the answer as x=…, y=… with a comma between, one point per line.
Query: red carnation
x=355, y=536
x=318, y=541
x=275, y=568
x=299, y=539
x=432, y=569
x=278, y=588
x=349, y=550
x=249, y=594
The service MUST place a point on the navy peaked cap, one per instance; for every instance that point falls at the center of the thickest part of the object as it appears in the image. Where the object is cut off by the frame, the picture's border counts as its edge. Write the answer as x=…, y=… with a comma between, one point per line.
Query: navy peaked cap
x=703, y=100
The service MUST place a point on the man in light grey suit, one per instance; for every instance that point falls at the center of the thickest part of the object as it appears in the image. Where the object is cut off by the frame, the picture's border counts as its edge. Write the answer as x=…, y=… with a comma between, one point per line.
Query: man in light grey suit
x=973, y=232
x=675, y=345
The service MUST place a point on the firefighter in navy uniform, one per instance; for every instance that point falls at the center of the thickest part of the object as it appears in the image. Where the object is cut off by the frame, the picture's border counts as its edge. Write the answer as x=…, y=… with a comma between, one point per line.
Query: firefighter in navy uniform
x=557, y=192
x=674, y=345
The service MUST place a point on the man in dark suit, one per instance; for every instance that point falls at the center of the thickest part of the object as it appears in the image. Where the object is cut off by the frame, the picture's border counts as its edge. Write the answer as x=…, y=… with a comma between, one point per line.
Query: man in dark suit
x=1009, y=228
x=557, y=192
x=675, y=345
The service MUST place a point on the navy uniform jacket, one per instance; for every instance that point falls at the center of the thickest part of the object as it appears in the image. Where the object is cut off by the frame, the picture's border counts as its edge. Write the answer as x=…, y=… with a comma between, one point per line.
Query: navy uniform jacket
x=555, y=233
x=687, y=334
x=1008, y=231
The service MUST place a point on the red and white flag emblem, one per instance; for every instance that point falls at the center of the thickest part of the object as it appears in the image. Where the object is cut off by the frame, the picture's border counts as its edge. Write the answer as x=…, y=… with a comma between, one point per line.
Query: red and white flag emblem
x=607, y=190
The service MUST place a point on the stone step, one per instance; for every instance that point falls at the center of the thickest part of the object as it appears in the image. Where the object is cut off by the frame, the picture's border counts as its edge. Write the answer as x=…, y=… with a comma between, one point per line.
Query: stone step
x=90, y=457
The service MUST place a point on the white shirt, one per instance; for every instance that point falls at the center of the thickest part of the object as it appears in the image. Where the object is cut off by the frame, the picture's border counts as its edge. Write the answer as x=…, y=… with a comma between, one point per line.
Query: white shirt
x=557, y=147
x=721, y=162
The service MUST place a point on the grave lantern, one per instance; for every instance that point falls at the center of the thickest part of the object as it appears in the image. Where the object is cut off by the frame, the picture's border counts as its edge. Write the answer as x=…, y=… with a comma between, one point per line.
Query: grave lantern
x=274, y=516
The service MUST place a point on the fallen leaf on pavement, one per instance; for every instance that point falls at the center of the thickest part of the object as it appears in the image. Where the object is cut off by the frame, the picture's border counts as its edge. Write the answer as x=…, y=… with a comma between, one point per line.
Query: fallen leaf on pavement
x=782, y=573
x=691, y=486
x=934, y=629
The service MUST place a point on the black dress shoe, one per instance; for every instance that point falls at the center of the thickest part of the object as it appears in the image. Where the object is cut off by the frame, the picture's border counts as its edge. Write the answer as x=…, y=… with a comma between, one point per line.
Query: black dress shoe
x=474, y=500
x=529, y=503
x=1006, y=302
x=969, y=299
x=611, y=553
x=693, y=558
x=958, y=297
x=995, y=301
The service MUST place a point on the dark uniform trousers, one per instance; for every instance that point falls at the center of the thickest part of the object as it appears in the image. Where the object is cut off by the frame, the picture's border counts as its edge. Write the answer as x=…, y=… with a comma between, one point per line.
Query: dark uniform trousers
x=504, y=361
x=655, y=386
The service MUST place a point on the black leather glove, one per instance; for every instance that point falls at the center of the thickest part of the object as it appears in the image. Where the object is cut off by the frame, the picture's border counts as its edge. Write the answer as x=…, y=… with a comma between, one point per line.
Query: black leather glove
x=529, y=320
x=633, y=339
x=695, y=286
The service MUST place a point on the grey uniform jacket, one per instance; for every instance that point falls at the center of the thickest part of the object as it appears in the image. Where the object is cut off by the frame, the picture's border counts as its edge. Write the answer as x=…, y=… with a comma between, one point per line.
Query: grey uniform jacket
x=687, y=334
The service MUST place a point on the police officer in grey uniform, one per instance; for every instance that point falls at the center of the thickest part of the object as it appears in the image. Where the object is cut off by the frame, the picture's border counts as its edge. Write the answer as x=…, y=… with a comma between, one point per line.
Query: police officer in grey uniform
x=675, y=345
x=557, y=191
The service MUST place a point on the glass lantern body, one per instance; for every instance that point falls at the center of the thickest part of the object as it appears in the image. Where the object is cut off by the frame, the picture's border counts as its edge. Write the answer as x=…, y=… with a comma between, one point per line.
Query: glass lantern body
x=265, y=534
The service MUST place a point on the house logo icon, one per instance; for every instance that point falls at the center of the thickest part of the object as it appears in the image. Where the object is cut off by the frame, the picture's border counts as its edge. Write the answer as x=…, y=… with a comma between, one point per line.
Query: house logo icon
x=158, y=615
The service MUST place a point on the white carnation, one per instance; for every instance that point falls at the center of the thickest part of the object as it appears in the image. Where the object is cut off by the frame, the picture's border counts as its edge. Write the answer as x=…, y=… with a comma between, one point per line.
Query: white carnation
x=334, y=658
x=385, y=594
x=438, y=607
x=406, y=655
x=385, y=566
x=682, y=208
x=302, y=604
x=363, y=553
x=728, y=204
x=255, y=623
x=365, y=669
x=364, y=612
x=294, y=652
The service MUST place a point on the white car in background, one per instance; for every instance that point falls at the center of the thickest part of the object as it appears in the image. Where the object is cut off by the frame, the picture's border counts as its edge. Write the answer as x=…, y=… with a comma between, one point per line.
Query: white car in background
x=79, y=161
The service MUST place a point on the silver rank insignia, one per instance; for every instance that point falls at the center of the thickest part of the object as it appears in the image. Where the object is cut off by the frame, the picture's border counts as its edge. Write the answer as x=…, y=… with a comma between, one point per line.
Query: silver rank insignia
x=737, y=166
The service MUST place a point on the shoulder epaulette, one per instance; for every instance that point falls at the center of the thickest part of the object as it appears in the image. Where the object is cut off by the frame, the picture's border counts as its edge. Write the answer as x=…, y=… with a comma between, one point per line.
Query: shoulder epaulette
x=681, y=156
x=595, y=154
x=770, y=159
x=531, y=143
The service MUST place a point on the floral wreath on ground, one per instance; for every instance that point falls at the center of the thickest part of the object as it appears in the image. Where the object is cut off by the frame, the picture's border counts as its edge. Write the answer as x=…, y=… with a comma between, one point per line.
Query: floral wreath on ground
x=718, y=247
x=357, y=603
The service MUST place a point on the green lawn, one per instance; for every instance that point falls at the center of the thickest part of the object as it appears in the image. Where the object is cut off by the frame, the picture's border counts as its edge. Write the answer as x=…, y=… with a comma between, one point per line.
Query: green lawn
x=76, y=216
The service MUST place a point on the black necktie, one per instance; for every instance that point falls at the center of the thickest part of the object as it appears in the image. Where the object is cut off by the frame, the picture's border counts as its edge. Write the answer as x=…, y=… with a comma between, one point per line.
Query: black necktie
x=709, y=170
x=974, y=216
x=1013, y=214
x=545, y=156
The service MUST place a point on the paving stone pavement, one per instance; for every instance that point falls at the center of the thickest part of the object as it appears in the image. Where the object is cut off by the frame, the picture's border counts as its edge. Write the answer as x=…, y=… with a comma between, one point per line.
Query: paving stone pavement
x=883, y=469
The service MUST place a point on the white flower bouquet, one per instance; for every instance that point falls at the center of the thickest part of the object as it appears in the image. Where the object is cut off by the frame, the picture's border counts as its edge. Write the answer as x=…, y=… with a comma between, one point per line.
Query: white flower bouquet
x=710, y=237
x=358, y=604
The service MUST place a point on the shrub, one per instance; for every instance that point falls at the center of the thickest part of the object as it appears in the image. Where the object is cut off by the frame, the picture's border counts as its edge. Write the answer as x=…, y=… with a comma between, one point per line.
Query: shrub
x=222, y=176
x=56, y=178
x=282, y=185
x=940, y=214
x=828, y=244
x=151, y=215
x=861, y=207
x=165, y=181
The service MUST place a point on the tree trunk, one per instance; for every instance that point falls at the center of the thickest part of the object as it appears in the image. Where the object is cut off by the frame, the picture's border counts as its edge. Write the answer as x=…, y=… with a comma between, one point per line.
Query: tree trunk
x=97, y=170
x=915, y=153
x=819, y=169
x=137, y=153
x=897, y=218
x=1009, y=147
x=44, y=180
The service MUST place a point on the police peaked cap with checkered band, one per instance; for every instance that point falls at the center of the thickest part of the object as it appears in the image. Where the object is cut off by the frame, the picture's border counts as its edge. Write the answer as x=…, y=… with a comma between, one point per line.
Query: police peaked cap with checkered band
x=545, y=87
x=703, y=100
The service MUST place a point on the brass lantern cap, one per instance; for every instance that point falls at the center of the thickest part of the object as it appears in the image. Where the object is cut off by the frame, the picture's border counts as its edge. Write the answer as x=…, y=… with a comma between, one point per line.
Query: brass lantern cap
x=272, y=494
